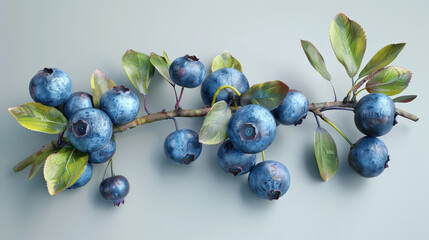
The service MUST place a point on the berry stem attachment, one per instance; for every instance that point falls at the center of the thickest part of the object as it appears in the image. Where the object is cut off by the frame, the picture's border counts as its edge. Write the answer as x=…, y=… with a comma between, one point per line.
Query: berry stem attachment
x=335, y=93
x=111, y=167
x=219, y=89
x=145, y=108
x=107, y=166
x=263, y=156
x=324, y=118
x=175, y=123
x=180, y=98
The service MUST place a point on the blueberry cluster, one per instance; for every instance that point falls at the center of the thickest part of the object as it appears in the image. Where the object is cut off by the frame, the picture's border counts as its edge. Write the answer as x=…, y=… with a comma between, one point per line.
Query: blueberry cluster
x=89, y=129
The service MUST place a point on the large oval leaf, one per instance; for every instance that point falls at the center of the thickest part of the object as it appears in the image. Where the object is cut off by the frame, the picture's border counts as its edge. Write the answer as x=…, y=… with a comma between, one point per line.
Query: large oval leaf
x=225, y=60
x=348, y=41
x=325, y=150
x=139, y=69
x=162, y=66
x=404, y=99
x=316, y=59
x=62, y=169
x=100, y=84
x=269, y=94
x=382, y=58
x=215, y=125
x=40, y=118
x=390, y=81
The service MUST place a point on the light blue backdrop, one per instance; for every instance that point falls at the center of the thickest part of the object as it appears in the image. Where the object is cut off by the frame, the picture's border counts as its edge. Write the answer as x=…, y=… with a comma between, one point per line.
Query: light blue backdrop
x=200, y=201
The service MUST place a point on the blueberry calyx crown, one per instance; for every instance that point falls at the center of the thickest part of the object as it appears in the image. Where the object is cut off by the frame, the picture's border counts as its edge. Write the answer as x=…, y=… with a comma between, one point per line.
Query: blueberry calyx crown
x=386, y=165
x=273, y=194
x=188, y=158
x=248, y=132
x=235, y=170
x=80, y=128
x=118, y=202
x=191, y=58
x=46, y=72
x=121, y=88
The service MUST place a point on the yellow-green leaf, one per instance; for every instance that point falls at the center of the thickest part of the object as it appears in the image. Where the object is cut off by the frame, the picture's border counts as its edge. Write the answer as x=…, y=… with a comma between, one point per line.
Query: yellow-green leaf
x=38, y=163
x=166, y=57
x=268, y=94
x=100, y=84
x=62, y=169
x=326, y=154
x=382, y=58
x=390, y=80
x=348, y=41
x=40, y=118
x=316, y=59
x=225, y=60
x=161, y=65
x=215, y=125
x=139, y=69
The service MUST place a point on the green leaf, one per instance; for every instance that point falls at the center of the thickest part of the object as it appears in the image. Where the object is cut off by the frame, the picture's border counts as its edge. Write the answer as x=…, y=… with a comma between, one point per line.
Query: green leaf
x=326, y=153
x=139, y=69
x=390, y=80
x=348, y=41
x=382, y=58
x=225, y=60
x=40, y=118
x=405, y=99
x=214, y=129
x=316, y=59
x=162, y=66
x=62, y=169
x=38, y=163
x=166, y=58
x=269, y=94
x=100, y=84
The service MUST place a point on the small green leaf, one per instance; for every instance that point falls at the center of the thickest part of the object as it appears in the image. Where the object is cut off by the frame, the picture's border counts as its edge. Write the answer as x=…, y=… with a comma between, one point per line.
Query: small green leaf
x=62, y=169
x=162, y=66
x=382, y=58
x=214, y=129
x=166, y=58
x=40, y=118
x=38, y=163
x=348, y=41
x=100, y=84
x=390, y=80
x=225, y=60
x=326, y=154
x=269, y=94
x=139, y=69
x=316, y=59
x=405, y=99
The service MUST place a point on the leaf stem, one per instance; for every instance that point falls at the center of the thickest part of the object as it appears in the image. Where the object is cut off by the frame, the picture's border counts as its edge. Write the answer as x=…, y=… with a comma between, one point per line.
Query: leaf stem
x=219, y=89
x=180, y=98
x=335, y=93
x=144, y=100
x=324, y=118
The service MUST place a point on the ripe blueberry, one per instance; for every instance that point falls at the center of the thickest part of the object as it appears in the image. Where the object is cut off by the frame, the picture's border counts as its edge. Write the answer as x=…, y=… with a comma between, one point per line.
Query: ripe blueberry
x=219, y=78
x=234, y=161
x=103, y=154
x=84, y=177
x=252, y=129
x=77, y=101
x=121, y=104
x=375, y=114
x=293, y=109
x=187, y=71
x=369, y=157
x=182, y=146
x=269, y=179
x=50, y=87
x=89, y=129
x=115, y=189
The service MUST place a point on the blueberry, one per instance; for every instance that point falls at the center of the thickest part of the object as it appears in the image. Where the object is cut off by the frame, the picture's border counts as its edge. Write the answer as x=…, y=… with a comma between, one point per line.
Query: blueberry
x=234, y=161
x=269, y=179
x=182, y=146
x=369, y=157
x=375, y=114
x=77, y=101
x=89, y=129
x=293, y=109
x=252, y=129
x=103, y=154
x=50, y=87
x=187, y=71
x=219, y=78
x=84, y=177
x=121, y=104
x=115, y=189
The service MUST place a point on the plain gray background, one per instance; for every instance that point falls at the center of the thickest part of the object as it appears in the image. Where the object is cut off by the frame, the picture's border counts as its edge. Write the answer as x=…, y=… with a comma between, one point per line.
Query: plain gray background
x=200, y=201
